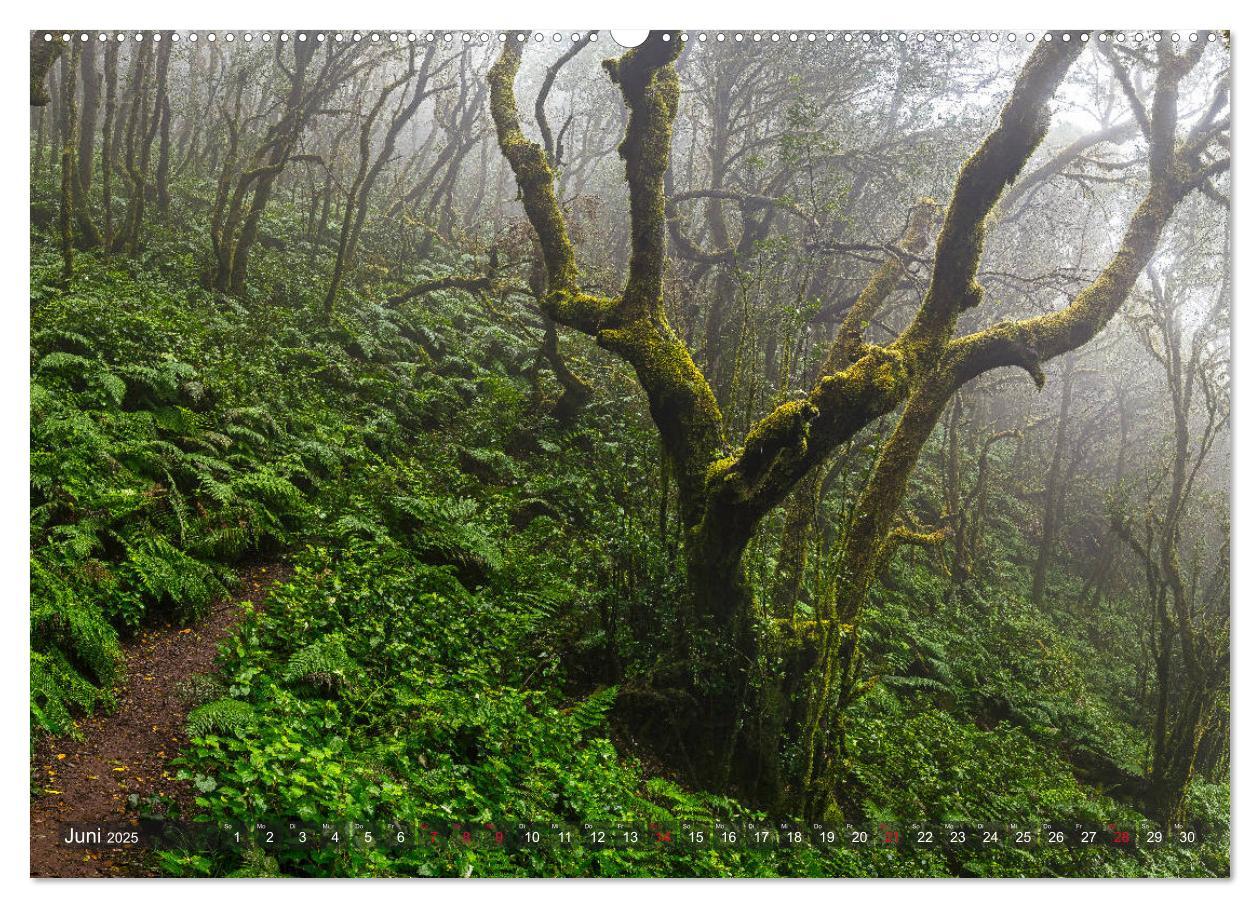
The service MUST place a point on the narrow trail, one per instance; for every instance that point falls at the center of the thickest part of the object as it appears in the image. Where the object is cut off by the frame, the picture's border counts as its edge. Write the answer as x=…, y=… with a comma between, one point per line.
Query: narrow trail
x=128, y=751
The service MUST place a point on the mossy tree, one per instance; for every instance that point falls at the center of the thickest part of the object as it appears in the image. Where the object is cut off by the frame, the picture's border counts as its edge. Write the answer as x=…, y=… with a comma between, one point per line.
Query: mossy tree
x=737, y=723
x=70, y=65
x=1187, y=588
x=148, y=97
x=44, y=54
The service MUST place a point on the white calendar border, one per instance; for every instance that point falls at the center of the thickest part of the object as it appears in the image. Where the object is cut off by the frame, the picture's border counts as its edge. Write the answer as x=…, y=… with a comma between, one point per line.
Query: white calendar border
x=782, y=15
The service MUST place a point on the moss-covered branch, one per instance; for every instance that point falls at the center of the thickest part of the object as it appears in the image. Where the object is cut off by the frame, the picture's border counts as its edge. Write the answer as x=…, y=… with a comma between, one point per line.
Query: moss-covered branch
x=649, y=86
x=536, y=181
x=472, y=283
x=879, y=379
x=847, y=345
x=43, y=55
x=981, y=182
x=1026, y=344
x=1030, y=342
x=634, y=325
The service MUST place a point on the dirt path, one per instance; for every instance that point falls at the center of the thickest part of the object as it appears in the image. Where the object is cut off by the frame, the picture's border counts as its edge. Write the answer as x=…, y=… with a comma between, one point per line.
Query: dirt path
x=129, y=750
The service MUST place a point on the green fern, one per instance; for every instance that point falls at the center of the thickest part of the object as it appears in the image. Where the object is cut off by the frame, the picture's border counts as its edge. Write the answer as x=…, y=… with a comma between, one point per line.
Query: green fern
x=66, y=364
x=225, y=716
x=269, y=488
x=916, y=682
x=681, y=805
x=165, y=574
x=324, y=664
x=57, y=689
x=447, y=533
x=61, y=620
x=591, y=712
x=359, y=525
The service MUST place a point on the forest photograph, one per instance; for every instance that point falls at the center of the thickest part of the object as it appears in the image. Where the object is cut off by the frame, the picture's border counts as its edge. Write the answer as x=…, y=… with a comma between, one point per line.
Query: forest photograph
x=735, y=454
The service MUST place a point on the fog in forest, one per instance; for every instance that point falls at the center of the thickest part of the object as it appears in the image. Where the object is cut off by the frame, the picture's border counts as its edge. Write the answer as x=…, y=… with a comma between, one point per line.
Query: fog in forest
x=855, y=408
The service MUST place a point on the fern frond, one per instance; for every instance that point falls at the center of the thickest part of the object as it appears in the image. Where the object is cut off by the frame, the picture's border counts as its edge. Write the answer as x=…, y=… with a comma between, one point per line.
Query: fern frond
x=590, y=713
x=324, y=664
x=226, y=716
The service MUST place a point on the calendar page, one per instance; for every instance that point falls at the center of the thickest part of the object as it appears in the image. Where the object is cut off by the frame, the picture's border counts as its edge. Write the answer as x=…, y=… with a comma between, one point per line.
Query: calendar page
x=782, y=452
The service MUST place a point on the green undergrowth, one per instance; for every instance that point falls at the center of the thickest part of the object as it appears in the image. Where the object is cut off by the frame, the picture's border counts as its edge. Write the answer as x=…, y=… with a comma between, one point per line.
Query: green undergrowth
x=473, y=584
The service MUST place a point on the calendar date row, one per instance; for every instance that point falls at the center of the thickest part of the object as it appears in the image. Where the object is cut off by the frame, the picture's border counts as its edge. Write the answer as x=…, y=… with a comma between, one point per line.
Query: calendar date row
x=281, y=833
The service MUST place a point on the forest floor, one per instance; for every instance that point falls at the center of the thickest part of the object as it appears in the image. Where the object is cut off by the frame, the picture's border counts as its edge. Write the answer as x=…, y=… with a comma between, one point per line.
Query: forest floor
x=128, y=751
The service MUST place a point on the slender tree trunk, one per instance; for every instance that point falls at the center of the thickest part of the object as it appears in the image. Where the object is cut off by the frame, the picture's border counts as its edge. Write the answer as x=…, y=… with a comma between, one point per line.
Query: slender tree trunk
x=89, y=235
x=163, y=175
x=235, y=223
x=107, y=143
x=87, y=124
x=54, y=109
x=370, y=170
x=69, y=63
x=1052, y=505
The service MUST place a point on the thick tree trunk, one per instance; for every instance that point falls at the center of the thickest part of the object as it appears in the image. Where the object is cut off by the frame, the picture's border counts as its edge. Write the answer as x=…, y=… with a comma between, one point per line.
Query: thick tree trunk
x=798, y=521
x=738, y=711
x=1180, y=732
x=43, y=55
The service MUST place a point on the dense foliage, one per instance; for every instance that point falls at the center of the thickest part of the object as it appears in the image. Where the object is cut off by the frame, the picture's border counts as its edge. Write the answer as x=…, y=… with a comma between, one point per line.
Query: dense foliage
x=437, y=656
x=490, y=588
